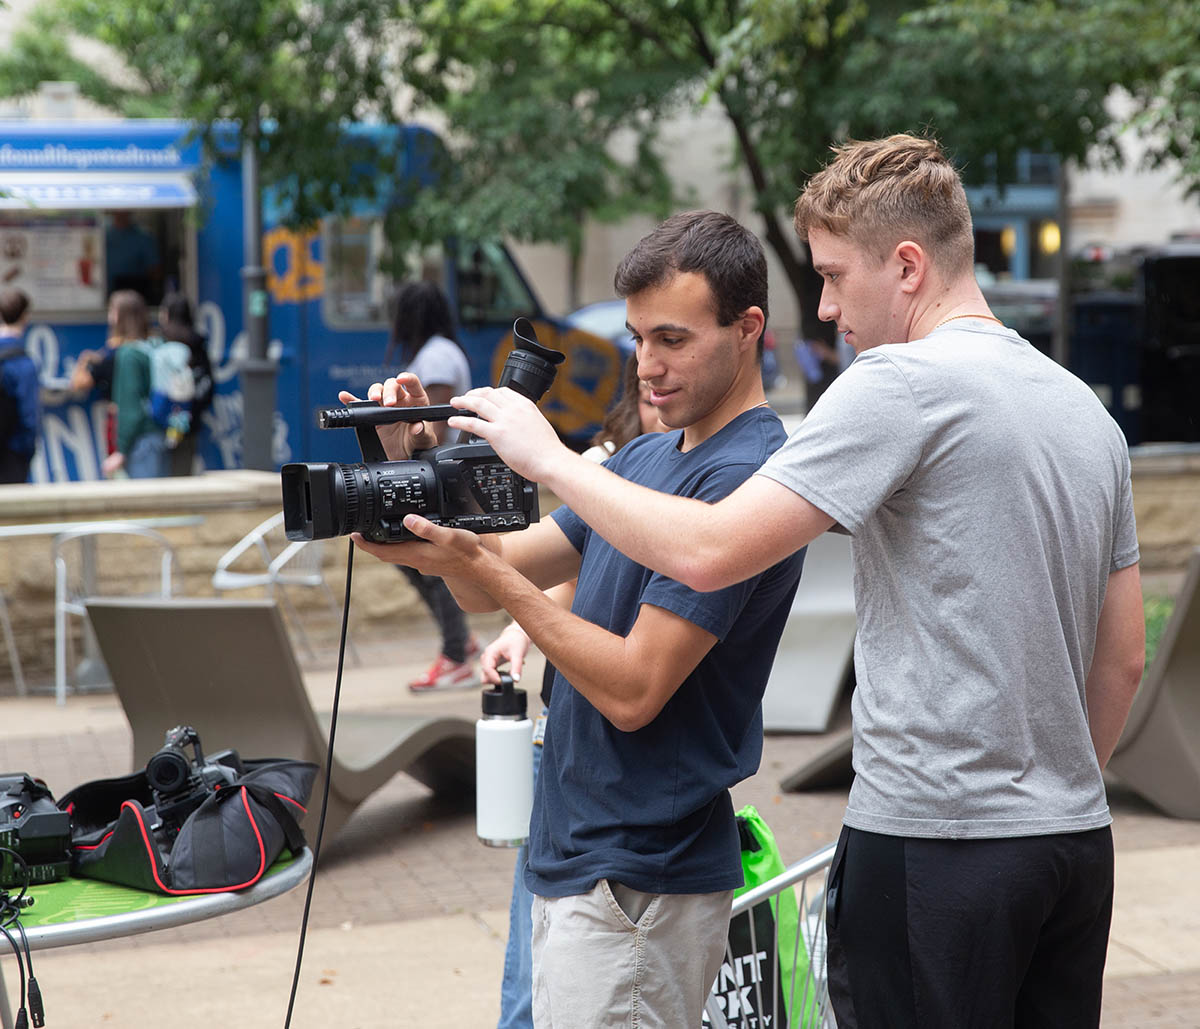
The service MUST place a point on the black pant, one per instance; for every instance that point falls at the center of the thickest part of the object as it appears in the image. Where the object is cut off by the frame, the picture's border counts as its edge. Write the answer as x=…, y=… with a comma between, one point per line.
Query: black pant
x=183, y=454
x=969, y=934
x=14, y=467
x=451, y=621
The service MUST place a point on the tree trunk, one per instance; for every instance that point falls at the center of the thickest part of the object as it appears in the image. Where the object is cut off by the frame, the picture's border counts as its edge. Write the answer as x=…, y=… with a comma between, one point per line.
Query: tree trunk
x=574, y=273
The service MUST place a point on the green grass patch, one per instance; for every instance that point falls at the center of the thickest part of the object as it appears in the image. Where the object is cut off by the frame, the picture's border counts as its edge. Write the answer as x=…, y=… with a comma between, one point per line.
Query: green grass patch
x=1158, y=611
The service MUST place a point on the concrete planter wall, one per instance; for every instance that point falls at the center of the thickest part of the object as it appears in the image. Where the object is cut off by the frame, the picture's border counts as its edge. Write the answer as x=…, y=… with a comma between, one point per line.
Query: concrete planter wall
x=231, y=504
x=1166, y=483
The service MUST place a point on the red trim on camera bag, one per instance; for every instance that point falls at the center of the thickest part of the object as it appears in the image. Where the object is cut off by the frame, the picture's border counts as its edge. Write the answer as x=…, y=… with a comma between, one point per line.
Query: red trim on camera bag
x=227, y=843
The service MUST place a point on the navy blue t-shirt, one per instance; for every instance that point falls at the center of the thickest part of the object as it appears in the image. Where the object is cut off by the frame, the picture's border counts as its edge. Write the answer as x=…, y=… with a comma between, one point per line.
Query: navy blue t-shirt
x=651, y=808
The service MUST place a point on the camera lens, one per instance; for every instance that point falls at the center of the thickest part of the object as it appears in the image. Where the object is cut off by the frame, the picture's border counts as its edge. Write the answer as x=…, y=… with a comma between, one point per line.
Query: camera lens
x=168, y=770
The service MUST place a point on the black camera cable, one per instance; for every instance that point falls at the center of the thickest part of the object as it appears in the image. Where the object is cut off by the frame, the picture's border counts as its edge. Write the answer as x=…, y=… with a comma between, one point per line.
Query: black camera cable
x=316, y=848
x=10, y=918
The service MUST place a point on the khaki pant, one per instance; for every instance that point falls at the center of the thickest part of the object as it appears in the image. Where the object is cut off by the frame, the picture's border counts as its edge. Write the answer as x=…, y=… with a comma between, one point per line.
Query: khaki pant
x=615, y=957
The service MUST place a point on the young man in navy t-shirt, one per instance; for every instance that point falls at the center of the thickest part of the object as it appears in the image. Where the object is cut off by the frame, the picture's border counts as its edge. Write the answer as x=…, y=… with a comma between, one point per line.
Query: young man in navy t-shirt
x=656, y=709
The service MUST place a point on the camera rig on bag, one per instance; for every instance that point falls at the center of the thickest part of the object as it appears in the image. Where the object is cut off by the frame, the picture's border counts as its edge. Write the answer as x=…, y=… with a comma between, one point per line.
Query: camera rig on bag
x=180, y=784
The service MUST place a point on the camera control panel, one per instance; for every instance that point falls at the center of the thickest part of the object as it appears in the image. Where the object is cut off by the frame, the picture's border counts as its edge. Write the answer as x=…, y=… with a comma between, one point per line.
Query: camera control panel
x=403, y=494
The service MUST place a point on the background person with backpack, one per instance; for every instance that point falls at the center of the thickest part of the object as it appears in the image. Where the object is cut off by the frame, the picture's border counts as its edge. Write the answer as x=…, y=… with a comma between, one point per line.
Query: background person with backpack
x=177, y=325
x=141, y=449
x=20, y=405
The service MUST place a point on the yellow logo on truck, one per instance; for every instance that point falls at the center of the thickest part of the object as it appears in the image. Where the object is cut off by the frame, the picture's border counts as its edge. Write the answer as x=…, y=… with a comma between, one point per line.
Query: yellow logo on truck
x=302, y=276
x=587, y=381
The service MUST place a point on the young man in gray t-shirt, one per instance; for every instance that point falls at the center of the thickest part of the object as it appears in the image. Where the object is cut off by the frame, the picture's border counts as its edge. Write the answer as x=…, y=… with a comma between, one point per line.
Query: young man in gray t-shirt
x=1000, y=636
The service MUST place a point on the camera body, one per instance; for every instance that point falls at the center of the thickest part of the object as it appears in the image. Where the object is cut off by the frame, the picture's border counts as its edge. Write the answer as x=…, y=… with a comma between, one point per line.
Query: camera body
x=32, y=825
x=462, y=485
x=180, y=784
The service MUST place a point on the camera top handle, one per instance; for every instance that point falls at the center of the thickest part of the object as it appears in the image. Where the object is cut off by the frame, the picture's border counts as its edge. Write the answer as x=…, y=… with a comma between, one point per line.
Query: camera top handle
x=364, y=415
x=368, y=412
x=529, y=369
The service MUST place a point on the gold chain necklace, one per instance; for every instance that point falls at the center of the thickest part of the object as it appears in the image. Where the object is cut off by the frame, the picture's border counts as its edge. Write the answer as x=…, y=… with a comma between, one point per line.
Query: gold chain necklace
x=953, y=317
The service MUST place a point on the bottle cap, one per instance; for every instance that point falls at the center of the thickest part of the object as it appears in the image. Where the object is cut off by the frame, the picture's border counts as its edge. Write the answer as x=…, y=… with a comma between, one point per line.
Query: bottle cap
x=504, y=701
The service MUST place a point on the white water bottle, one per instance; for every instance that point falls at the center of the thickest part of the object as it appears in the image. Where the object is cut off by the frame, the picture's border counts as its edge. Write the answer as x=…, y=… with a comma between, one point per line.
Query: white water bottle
x=503, y=767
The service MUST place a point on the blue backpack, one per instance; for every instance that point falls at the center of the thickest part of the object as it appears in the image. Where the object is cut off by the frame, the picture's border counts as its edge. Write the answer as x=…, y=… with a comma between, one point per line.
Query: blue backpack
x=172, y=386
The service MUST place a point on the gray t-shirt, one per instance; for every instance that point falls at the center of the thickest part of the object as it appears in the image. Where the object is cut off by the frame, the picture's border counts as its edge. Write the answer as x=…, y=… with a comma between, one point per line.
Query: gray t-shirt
x=441, y=362
x=987, y=493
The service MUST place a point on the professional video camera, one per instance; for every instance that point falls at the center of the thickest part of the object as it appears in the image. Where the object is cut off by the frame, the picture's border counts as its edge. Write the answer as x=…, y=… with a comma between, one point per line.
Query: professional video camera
x=178, y=784
x=462, y=485
x=32, y=826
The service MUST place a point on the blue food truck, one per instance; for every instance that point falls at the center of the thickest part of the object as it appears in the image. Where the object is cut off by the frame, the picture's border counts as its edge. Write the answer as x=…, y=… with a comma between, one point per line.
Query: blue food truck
x=86, y=207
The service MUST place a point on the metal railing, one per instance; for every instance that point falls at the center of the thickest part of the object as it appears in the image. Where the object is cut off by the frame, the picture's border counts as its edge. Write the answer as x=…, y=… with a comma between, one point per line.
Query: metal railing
x=773, y=976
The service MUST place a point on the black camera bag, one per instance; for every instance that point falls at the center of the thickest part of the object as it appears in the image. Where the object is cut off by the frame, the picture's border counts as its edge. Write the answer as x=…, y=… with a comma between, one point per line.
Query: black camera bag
x=227, y=843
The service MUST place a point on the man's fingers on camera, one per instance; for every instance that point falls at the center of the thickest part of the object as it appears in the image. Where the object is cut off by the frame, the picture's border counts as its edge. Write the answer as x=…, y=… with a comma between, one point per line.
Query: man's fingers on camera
x=412, y=386
x=390, y=552
x=421, y=437
x=473, y=426
x=472, y=397
x=438, y=534
x=404, y=390
x=455, y=546
x=481, y=400
x=346, y=397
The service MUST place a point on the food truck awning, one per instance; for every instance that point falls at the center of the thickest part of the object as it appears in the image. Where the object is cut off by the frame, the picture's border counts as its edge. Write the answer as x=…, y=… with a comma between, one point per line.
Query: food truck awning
x=62, y=191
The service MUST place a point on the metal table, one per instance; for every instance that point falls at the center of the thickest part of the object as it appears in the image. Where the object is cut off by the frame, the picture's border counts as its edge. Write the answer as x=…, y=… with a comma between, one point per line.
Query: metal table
x=87, y=911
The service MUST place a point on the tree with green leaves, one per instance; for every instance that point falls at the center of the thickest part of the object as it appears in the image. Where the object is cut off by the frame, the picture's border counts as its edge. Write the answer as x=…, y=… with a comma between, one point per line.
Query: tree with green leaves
x=1147, y=47
x=545, y=128
x=552, y=107
x=289, y=74
x=988, y=77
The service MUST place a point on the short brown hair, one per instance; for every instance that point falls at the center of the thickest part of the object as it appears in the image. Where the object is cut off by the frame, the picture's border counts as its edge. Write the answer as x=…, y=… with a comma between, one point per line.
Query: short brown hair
x=133, y=320
x=725, y=252
x=879, y=192
x=13, y=305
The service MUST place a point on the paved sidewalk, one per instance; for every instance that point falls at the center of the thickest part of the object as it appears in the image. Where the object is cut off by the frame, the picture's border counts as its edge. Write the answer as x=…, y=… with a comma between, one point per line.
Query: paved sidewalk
x=410, y=912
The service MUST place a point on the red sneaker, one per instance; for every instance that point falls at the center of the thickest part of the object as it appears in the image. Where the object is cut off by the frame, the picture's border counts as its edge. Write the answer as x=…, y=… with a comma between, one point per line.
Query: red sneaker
x=445, y=673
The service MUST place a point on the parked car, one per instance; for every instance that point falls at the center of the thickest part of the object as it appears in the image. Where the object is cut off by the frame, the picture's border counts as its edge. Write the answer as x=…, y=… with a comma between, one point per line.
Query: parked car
x=1030, y=306
x=604, y=318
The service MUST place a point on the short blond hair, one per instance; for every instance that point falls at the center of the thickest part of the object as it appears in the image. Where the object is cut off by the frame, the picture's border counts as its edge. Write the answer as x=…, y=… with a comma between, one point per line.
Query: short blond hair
x=879, y=192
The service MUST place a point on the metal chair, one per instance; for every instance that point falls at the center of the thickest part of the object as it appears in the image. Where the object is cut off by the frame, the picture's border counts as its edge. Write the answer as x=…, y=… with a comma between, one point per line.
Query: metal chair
x=14, y=659
x=1158, y=754
x=815, y=660
x=284, y=563
x=76, y=580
